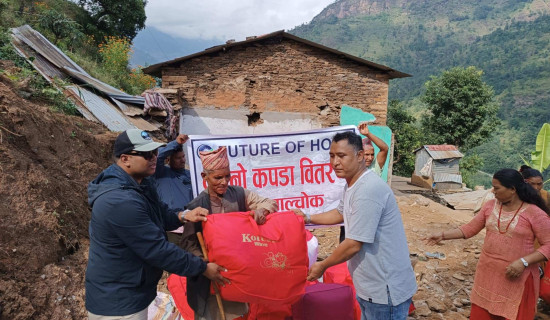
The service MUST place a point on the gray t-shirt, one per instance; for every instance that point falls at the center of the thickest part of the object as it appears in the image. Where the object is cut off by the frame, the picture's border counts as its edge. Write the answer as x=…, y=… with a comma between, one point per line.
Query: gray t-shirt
x=372, y=217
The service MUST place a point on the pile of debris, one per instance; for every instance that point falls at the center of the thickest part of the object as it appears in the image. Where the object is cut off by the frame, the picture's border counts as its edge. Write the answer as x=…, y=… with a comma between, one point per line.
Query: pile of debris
x=95, y=100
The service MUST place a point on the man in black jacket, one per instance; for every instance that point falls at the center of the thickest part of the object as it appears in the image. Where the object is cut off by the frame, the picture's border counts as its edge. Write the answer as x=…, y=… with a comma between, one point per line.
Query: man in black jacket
x=128, y=243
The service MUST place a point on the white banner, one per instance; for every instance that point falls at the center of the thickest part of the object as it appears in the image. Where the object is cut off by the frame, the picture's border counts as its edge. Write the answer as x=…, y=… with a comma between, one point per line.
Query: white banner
x=292, y=168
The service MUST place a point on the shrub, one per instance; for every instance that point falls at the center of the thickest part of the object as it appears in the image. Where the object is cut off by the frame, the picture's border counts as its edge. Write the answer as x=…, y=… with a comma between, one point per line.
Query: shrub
x=115, y=53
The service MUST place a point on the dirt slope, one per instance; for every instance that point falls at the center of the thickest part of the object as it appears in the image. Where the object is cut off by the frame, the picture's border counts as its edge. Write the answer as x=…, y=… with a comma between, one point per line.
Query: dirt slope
x=46, y=161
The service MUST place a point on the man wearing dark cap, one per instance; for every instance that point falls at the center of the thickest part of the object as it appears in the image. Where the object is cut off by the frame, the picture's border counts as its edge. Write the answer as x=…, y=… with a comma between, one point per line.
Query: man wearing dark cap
x=128, y=244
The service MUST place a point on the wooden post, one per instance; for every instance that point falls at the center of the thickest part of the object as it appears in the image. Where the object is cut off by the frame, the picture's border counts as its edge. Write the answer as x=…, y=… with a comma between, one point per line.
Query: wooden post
x=216, y=289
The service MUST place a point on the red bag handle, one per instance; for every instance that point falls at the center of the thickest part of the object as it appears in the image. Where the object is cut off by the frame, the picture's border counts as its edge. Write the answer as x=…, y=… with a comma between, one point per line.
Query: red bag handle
x=250, y=215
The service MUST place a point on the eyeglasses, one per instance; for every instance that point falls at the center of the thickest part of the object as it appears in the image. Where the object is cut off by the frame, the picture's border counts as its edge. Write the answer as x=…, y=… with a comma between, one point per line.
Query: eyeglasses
x=147, y=155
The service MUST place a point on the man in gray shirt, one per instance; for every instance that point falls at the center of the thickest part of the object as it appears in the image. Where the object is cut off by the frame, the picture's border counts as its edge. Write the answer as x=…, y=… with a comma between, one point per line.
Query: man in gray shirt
x=375, y=245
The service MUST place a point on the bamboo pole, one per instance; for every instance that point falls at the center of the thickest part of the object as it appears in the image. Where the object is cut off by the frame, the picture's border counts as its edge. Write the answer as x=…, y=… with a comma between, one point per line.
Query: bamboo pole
x=216, y=289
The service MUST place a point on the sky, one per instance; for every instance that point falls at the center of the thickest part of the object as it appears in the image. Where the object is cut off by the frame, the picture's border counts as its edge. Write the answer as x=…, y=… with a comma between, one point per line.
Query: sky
x=229, y=19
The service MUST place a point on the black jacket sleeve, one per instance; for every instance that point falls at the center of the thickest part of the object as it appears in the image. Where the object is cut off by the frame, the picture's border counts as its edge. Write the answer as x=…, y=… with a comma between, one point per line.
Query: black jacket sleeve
x=137, y=230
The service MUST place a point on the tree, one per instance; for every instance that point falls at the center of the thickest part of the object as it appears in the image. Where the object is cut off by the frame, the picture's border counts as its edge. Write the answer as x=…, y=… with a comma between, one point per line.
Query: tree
x=60, y=26
x=540, y=158
x=461, y=106
x=407, y=138
x=115, y=17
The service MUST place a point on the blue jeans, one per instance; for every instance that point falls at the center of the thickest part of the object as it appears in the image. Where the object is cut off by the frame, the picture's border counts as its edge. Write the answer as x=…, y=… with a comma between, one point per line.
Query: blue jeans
x=375, y=311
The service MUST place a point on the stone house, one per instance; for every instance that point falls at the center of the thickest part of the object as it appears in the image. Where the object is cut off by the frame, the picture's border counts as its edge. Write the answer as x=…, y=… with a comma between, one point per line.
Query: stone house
x=275, y=73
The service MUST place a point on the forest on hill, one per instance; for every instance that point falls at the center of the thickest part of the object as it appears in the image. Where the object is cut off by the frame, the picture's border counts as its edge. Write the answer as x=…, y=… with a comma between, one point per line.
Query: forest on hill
x=508, y=40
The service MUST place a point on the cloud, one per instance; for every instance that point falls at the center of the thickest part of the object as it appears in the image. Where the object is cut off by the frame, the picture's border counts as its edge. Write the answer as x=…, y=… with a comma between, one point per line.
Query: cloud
x=229, y=19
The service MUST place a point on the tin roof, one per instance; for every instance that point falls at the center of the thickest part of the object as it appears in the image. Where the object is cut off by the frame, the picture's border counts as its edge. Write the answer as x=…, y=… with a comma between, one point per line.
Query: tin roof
x=447, y=177
x=52, y=64
x=156, y=69
x=102, y=109
x=442, y=151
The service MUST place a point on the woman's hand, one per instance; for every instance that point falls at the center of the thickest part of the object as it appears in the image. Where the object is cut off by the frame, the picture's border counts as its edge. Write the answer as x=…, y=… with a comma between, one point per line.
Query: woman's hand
x=514, y=269
x=434, y=238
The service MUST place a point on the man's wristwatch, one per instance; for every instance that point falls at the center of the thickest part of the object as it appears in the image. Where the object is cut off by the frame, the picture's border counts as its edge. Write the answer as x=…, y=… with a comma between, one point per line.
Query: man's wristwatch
x=525, y=263
x=307, y=218
x=181, y=216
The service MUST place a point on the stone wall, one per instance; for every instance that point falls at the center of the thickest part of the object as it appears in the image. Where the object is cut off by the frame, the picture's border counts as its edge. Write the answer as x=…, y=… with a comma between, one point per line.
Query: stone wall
x=279, y=74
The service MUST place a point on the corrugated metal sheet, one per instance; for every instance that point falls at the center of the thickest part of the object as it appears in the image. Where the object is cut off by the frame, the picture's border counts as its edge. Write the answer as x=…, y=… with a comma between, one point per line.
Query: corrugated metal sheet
x=447, y=177
x=422, y=158
x=441, y=147
x=103, y=110
x=438, y=155
x=44, y=47
x=52, y=63
x=103, y=87
x=438, y=152
x=73, y=93
x=41, y=64
x=451, y=166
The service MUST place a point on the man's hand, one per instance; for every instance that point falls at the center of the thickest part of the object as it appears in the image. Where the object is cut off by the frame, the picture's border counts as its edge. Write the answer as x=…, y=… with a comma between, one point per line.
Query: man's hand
x=196, y=215
x=316, y=271
x=259, y=215
x=363, y=128
x=182, y=138
x=213, y=273
x=299, y=213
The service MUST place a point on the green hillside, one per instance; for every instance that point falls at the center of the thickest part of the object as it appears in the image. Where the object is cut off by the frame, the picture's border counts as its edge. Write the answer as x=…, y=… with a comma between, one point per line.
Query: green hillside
x=508, y=40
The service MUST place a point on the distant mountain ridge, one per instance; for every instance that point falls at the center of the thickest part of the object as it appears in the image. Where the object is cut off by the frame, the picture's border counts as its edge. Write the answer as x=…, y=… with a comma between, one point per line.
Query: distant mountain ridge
x=152, y=46
x=508, y=39
x=344, y=9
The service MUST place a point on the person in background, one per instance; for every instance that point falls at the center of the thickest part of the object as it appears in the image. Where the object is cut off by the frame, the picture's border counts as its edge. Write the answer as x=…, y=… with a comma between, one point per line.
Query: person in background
x=173, y=182
x=370, y=162
x=376, y=245
x=382, y=155
x=219, y=197
x=536, y=180
x=128, y=244
x=506, y=283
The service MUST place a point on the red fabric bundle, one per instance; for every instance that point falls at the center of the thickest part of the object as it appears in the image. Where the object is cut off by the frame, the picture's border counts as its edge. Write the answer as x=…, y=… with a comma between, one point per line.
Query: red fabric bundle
x=178, y=290
x=267, y=263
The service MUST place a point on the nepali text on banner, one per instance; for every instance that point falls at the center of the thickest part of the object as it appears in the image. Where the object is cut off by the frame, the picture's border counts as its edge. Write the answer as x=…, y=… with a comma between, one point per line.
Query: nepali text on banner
x=292, y=168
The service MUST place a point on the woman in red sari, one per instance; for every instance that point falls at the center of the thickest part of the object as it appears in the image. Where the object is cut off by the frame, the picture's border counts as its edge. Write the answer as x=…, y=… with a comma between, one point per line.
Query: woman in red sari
x=506, y=284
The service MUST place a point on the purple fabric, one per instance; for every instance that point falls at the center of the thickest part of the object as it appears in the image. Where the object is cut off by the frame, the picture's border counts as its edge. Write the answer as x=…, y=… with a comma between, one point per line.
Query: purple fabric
x=325, y=301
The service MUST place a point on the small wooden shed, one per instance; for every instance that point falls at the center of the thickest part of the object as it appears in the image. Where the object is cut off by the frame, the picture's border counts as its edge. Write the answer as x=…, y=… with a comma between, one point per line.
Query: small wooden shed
x=437, y=167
